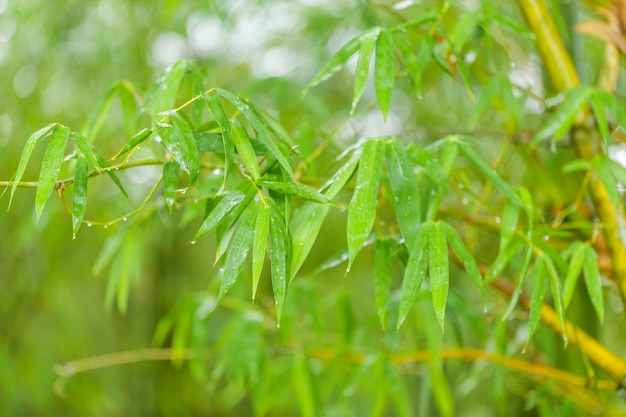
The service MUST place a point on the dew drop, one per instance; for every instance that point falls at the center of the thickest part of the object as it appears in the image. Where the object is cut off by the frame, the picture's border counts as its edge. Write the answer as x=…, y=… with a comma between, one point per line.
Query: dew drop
x=546, y=237
x=498, y=219
x=278, y=325
x=193, y=242
x=106, y=226
x=117, y=168
x=124, y=219
x=217, y=171
x=461, y=186
x=195, y=201
x=88, y=224
x=464, y=201
x=73, y=237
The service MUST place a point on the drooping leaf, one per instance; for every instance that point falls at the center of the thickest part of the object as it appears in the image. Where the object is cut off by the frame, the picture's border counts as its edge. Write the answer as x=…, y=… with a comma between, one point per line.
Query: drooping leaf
x=216, y=109
x=484, y=103
x=557, y=293
x=412, y=63
x=85, y=148
x=385, y=70
x=179, y=140
x=261, y=230
x=336, y=62
x=510, y=217
x=104, y=164
x=79, y=194
x=127, y=94
x=382, y=277
x=245, y=150
x=593, y=281
x=599, y=111
x=165, y=90
x=137, y=139
x=577, y=258
x=503, y=259
x=406, y=197
x=242, y=242
x=32, y=142
x=438, y=270
x=468, y=261
x=415, y=272
x=230, y=201
x=170, y=183
x=431, y=165
x=511, y=103
x=520, y=282
x=51, y=166
x=362, y=209
x=279, y=257
x=100, y=111
x=368, y=41
x=295, y=189
x=604, y=170
x=538, y=294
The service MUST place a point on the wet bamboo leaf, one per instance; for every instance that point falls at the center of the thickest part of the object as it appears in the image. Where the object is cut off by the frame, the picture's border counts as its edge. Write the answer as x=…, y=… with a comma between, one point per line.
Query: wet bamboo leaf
x=362, y=208
x=438, y=270
x=170, y=183
x=79, y=194
x=557, y=293
x=223, y=234
x=502, y=260
x=574, y=101
x=430, y=164
x=137, y=139
x=295, y=189
x=441, y=390
x=85, y=148
x=101, y=109
x=573, y=272
x=538, y=294
x=385, y=71
x=483, y=104
x=414, y=273
x=412, y=64
x=103, y=163
x=511, y=103
x=245, y=150
x=32, y=142
x=406, y=197
x=603, y=169
x=261, y=229
x=279, y=241
x=165, y=90
x=510, y=217
x=599, y=112
x=368, y=41
x=179, y=140
x=382, y=277
x=230, y=201
x=128, y=104
x=489, y=173
x=242, y=241
x=216, y=109
x=51, y=166
x=593, y=281
x=259, y=127
x=336, y=62
x=520, y=281
x=468, y=261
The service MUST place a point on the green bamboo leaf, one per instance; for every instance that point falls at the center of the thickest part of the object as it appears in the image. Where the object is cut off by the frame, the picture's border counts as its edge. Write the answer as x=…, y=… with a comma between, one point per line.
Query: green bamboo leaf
x=382, y=277
x=170, y=183
x=242, y=241
x=406, y=197
x=261, y=229
x=385, y=71
x=163, y=94
x=362, y=208
x=223, y=234
x=503, y=259
x=577, y=258
x=279, y=258
x=593, y=281
x=226, y=205
x=574, y=101
x=599, y=111
x=51, y=166
x=510, y=217
x=439, y=270
x=32, y=142
x=245, y=150
x=137, y=139
x=339, y=180
x=85, y=148
x=484, y=103
x=79, y=194
x=216, y=109
x=259, y=127
x=101, y=109
x=414, y=66
x=414, y=273
x=489, y=173
x=511, y=103
x=295, y=189
x=604, y=170
x=179, y=140
x=336, y=62
x=537, y=296
x=127, y=94
x=557, y=293
x=468, y=261
x=368, y=41
x=431, y=165
x=424, y=17
x=103, y=163
x=520, y=282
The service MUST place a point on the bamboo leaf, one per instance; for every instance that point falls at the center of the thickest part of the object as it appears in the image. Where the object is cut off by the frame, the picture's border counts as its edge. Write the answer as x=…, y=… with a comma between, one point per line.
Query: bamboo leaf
x=51, y=166
x=384, y=71
x=368, y=41
x=31, y=143
x=593, y=281
x=261, y=229
x=484, y=103
x=103, y=163
x=602, y=167
x=414, y=66
x=573, y=272
x=431, y=165
x=165, y=90
x=179, y=140
x=170, y=183
x=468, y=261
x=362, y=208
x=503, y=259
x=79, y=194
x=216, y=109
x=537, y=296
x=336, y=62
x=245, y=150
x=520, y=281
x=295, y=189
x=85, y=148
x=226, y=205
x=279, y=258
x=510, y=217
x=259, y=127
x=242, y=241
x=574, y=101
x=406, y=197
x=137, y=139
x=438, y=270
x=599, y=111
x=101, y=109
x=127, y=94
x=414, y=273
x=557, y=293
x=382, y=277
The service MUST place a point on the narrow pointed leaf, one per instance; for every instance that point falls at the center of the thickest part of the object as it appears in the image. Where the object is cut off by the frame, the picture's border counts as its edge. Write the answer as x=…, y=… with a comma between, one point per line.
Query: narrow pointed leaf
x=593, y=281
x=137, y=139
x=368, y=41
x=223, y=239
x=414, y=273
x=216, y=109
x=520, y=282
x=362, y=209
x=29, y=147
x=336, y=62
x=230, y=201
x=406, y=197
x=79, y=194
x=511, y=103
x=414, y=66
x=574, y=101
x=382, y=277
x=431, y=165
x=502, y=260
x=537, y=295
x=242, y=242
x=101, y=109
x=279, y=241
x=85, y=148
x=103, y=163
x=128, y=104
x=245, y=150
x=438, y=270
x=295, y=189
x=385, y=71
x=165, y=90
x=259, y=127
x=51, y=166
x=261, y=229
x=170, y=183
x=573, y=272
x=468, y=261
x=599, y=111
x=603, y=169
x=557, y=293
x=179, y=140
x=483, y=104
x=510, y=217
